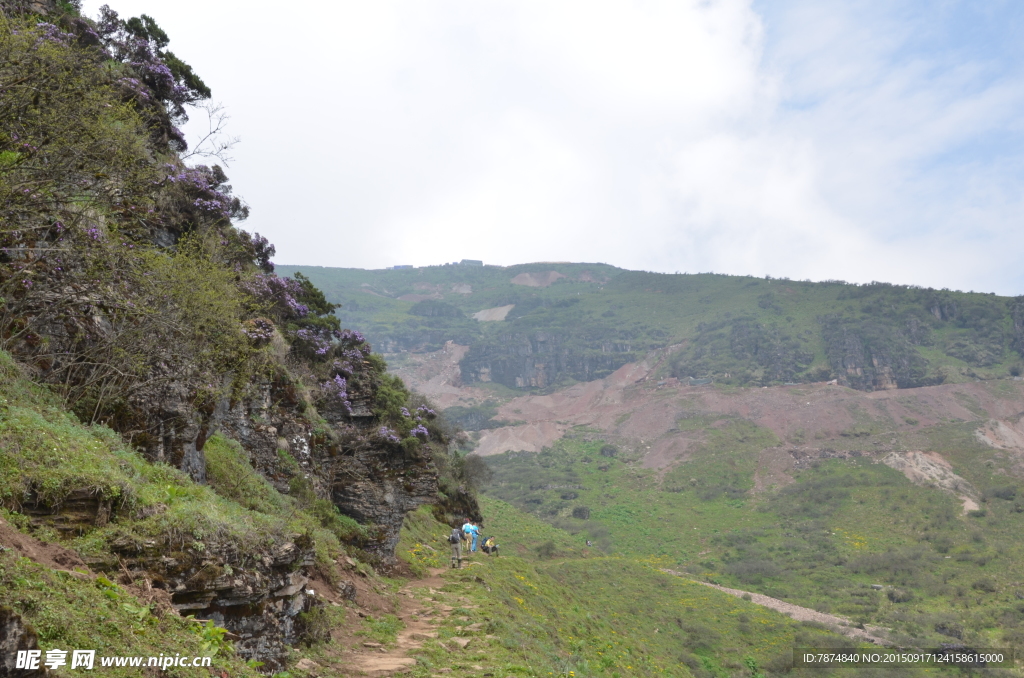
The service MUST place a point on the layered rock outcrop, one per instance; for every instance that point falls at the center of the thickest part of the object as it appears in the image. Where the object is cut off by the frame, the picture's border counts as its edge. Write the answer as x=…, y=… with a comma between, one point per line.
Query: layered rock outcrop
x=539, y=359
x=256, y=596
x=17, y=636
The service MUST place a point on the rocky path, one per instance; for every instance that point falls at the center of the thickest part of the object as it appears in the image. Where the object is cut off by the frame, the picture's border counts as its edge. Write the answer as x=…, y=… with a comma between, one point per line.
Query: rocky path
x=420, y=622
x=841, y=625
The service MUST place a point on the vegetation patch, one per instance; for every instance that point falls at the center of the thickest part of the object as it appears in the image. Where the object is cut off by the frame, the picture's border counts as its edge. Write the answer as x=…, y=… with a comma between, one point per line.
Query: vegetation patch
x=844, y=526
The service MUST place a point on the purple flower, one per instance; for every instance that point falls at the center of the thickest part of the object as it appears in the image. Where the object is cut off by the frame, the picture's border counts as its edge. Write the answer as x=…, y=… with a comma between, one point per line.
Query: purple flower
x=314, y=341
x=54, y=34
x=420, y=431
x=337, y=390
x=278, y=292
x=142, y=51
x=259, y=330
x=388, y=435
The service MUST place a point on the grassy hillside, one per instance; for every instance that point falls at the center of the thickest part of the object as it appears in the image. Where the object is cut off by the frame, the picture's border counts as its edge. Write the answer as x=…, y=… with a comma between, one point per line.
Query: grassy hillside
x=568, y=611
x=821, y=542
x=738, y=330
x=47, y=457
x=54, y=474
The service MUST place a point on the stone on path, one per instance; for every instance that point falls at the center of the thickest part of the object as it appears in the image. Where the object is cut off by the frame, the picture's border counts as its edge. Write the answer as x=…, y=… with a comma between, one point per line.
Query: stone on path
x=461, y=642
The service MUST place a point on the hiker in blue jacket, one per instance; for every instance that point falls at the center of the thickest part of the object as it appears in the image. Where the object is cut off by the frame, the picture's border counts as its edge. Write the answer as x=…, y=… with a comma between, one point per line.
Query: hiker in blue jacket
x=467, y=533
x=472, y=531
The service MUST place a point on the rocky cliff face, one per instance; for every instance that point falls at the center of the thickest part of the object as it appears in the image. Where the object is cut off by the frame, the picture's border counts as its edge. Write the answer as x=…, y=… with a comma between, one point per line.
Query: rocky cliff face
x=869, y=356
x=16, y=636
x=374, y=481
x=255, y=595
x=41, y=7
x=539, y=359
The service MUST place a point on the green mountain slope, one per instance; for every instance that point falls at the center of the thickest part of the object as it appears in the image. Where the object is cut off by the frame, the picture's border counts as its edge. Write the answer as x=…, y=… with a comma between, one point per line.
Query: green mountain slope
x=566, y=610
x=850, y=536
x=582, y=321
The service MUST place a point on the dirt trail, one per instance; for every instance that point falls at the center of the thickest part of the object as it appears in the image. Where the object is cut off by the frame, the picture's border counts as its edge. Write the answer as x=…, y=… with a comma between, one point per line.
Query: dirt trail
x=841, y=625
x=419, y=623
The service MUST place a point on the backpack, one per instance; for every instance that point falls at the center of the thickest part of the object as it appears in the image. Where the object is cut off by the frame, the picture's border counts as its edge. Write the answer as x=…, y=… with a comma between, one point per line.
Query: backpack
x=455, y=537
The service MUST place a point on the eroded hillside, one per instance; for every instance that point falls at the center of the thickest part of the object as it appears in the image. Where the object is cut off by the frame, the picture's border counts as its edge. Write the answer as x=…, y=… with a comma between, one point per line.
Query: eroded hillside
x=898, y=508
x=542, y=326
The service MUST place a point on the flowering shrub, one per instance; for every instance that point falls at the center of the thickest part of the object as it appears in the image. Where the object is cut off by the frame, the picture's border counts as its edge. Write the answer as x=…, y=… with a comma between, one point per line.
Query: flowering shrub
x=259, y=330
x=54, y=34
x=420, y=431
x=348, y=358
x=336, y=391
x=205, y=197
x=307, y=320
x=312, y=340
x=276, y=295
x=139, y=42
x=388, y=435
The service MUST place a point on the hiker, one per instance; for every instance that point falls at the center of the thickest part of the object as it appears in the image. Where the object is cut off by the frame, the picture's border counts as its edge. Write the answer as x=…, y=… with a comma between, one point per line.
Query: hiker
x=490, y=546
x=455, y=539
x=474, y=535
x=467, y=531
x=472, y=532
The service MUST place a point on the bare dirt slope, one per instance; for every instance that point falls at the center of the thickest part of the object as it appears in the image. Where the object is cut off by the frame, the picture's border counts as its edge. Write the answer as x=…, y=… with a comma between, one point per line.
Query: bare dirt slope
x=437, y=375
x=634, y=408
x=44, y=553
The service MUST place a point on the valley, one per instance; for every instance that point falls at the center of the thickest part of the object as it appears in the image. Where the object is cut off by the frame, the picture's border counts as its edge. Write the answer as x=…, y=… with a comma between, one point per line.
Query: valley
x=897, y=508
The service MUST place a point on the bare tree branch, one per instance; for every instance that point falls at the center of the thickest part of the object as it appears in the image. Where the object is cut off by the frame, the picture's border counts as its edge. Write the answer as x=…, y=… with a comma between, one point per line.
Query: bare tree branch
x=214, y=143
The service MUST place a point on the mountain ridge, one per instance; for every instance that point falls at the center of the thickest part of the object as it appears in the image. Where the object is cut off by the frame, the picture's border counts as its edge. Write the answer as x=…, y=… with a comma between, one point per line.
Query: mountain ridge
x=578, y=322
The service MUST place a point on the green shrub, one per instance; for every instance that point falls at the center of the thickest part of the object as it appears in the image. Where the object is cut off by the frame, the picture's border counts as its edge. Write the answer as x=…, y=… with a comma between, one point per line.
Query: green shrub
x=547, y=550
x=346, y=529
x=1005, y=492
x=391, y=397
x=753, y=571
x=985, y=585
x=314, y=626
x=897, y=595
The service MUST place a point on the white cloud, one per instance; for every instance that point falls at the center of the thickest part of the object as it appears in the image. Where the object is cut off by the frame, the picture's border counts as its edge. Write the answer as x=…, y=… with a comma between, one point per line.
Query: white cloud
x=805, y=139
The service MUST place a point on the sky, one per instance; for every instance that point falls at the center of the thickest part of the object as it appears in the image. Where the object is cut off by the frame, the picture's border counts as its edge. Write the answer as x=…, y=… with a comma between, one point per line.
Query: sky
x=810, y=139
